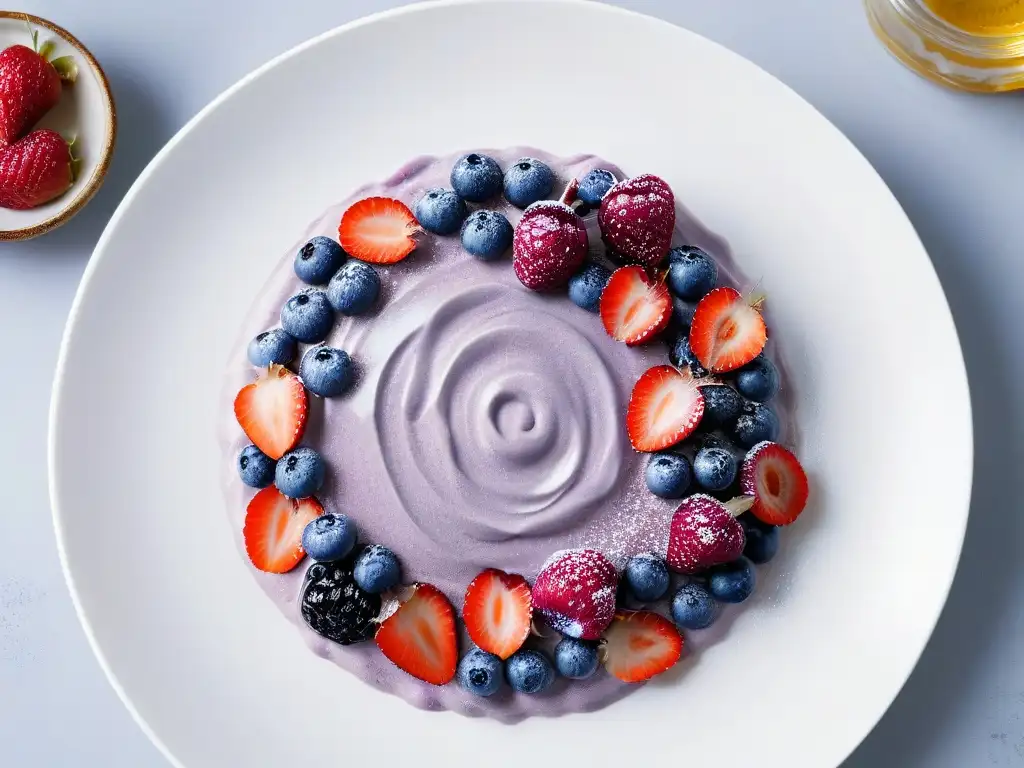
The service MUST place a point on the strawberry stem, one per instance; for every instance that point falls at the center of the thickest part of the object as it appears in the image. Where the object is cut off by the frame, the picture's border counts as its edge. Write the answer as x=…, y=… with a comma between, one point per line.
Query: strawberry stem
x=738, y=505
x=756, y=297
x=569, y=195
x=34, y=34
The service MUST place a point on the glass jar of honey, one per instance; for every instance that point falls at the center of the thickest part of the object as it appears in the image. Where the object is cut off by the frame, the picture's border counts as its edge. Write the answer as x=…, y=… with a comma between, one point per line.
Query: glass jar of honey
x=977, y=45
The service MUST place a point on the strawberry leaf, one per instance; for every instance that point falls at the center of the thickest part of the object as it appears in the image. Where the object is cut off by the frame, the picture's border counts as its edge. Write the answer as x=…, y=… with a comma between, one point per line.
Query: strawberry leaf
x=66, y=68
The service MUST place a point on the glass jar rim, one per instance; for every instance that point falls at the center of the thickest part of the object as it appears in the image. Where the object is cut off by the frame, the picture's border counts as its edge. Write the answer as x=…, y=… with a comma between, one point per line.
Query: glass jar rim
x=992, y=47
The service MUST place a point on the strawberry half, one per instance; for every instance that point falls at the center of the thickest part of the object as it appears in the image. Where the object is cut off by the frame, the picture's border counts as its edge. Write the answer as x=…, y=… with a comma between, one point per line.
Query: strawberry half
x=639, y=645
x=774, y=477
x=727, y=331
x=379, y=230
x=633, y=308
x=419, y=637
x=497, y=612
x=273, y=529
x=272, y=411
x=665, y=407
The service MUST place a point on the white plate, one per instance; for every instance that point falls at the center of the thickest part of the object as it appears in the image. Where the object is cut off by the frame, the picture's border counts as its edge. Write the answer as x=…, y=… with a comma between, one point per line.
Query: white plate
x=208, y=666
x=84, y=113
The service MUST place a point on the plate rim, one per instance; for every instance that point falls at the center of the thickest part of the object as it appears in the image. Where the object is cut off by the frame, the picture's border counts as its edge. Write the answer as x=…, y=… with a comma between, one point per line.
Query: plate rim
x=68, y=335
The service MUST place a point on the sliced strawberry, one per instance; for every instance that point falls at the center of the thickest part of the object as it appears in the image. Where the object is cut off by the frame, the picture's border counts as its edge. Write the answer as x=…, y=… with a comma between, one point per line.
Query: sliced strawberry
x=272, y=411
x=378, y=230
x=665, y=407
x=774, y=477
x=633, y=307
x=639, y=645
x=727, y=331
x=419, y=637
x=273, y=529
x=497, y=612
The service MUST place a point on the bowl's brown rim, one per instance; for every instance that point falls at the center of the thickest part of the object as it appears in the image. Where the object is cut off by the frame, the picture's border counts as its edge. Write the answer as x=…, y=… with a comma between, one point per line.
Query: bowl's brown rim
x=99, y=173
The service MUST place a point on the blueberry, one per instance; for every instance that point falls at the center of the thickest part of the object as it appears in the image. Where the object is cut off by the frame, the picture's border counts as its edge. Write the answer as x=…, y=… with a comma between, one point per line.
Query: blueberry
x=722, y=406
x=480, y=673
x=486, y=235
x=318, y=260
x=693, y=607
x=762, y=540
x=329, y=537
x=583, y=210
x=682, y=356
x=529, y=671
x=300, y=473
x=715, y=468
x=756, y=424
x=586, y=286
x=440, y=211
x=668, y=475
x=377, y=569
x=308, y=316
x=691, y=272
x=273, y=346
x=354, y=289
x=682, y=314
x=476, y=177
x=647, y=577
x=595, y=185
x=732, y=582
x=716, y=440
x=255, y=467
x=575, y=659
x=528, y=180
x=758, y=380
x=326, y=371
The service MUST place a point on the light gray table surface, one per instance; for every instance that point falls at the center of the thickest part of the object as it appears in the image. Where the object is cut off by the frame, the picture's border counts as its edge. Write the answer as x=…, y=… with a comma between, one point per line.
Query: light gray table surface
x=955, y=161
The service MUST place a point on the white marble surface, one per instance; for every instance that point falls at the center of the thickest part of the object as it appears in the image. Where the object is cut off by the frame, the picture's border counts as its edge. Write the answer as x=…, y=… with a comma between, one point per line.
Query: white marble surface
x=956, y=163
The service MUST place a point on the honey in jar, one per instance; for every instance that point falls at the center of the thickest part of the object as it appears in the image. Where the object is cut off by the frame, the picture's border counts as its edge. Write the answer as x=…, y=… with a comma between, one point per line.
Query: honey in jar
x=977, y=45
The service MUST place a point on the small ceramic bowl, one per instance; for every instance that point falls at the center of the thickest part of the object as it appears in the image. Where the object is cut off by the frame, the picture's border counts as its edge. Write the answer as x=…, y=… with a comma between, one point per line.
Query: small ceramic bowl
x=85, y=112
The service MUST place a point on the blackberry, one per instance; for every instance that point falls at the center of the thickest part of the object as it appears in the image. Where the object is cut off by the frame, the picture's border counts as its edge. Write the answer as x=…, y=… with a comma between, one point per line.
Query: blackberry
x=335, y=607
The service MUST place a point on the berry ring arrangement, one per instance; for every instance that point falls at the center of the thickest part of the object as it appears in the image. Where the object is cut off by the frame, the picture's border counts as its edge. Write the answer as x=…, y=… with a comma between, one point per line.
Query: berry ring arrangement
x=518, y=487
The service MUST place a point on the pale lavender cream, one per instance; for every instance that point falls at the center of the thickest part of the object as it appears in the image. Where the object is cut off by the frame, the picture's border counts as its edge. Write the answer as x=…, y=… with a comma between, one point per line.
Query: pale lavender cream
x=486, y=429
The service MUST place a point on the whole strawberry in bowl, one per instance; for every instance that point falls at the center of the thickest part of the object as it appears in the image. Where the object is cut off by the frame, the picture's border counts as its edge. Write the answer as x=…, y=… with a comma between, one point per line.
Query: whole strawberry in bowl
x=30, y=85
x=36, y=169
x=54, y=148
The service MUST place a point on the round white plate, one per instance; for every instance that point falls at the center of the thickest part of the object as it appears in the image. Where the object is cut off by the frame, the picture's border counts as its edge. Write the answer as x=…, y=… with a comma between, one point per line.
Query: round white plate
x=211, y=669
